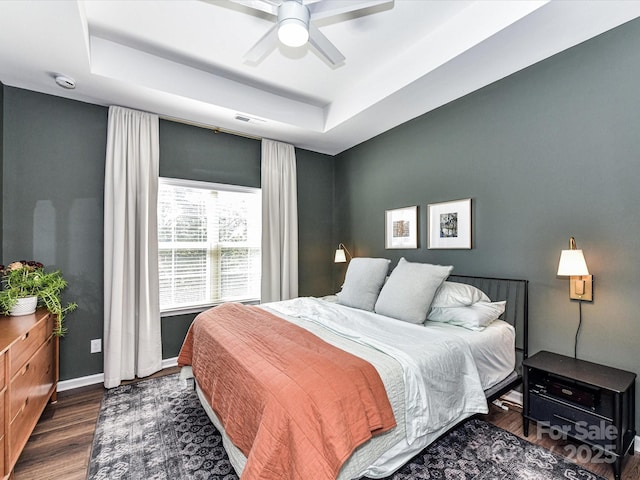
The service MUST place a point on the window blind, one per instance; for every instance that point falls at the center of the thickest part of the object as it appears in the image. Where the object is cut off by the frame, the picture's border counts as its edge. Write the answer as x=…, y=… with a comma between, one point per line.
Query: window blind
x=209, y=244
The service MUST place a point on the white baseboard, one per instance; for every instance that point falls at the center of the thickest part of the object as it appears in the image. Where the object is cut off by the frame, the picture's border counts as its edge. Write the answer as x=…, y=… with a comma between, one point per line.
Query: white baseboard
x=80, y=382
x=99, y=377
x=514, y=396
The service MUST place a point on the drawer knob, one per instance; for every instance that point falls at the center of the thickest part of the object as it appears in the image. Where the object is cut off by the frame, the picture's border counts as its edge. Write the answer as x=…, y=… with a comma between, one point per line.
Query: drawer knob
x=24, y=405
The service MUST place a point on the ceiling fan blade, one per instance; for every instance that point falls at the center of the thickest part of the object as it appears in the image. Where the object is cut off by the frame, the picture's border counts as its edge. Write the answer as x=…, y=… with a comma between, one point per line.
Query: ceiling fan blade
x=329, y=8
x=266, y=6
x=324, y=46
x=263, y=46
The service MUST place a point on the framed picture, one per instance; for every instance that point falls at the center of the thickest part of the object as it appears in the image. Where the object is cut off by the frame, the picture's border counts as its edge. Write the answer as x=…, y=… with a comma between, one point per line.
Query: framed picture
x=401, y=228
x=449, y=224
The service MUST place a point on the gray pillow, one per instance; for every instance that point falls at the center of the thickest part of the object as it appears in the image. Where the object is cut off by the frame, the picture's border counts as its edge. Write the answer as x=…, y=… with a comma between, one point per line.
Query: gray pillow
x=410, y=289
x=363, y=282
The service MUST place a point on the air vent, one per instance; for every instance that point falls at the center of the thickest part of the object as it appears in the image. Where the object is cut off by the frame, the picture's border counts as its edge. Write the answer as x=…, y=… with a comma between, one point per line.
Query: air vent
x=243, y=117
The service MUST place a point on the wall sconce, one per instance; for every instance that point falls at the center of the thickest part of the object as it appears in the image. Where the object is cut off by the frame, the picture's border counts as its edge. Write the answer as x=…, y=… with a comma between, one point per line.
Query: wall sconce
x=572, y=264
x=340, y=256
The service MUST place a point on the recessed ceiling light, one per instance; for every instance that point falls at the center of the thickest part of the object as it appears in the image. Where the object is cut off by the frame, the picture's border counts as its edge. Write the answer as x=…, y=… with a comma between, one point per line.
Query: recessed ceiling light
x=66, y=82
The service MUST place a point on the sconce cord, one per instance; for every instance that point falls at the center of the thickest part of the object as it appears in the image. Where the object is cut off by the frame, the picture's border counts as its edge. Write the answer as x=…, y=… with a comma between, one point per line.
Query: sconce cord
x=575, y=343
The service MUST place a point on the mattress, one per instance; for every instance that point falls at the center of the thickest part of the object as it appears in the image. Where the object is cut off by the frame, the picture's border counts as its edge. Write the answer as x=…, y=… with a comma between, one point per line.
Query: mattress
x=390, y=346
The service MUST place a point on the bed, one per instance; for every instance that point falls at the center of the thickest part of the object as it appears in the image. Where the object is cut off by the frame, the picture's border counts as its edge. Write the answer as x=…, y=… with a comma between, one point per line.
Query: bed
x=435, y=373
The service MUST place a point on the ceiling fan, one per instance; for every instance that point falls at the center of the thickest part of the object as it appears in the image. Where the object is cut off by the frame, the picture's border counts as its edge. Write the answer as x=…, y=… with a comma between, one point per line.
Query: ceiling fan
x=294, y=25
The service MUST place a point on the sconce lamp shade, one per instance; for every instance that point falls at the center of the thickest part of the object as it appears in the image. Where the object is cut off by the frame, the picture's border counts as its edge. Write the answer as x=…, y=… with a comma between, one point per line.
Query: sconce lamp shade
x=340, y=256
x=572, y=263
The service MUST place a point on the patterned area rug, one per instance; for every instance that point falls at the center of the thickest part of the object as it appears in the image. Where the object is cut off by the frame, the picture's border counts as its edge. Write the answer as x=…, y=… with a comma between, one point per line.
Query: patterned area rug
x=157, y=430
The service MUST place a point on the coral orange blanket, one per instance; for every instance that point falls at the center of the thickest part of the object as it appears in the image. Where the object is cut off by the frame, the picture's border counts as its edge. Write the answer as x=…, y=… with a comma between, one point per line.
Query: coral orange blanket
x=296, y=406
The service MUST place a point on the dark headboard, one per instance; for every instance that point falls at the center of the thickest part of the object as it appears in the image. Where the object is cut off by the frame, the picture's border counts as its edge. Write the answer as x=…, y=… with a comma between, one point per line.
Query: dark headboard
x=516, y=294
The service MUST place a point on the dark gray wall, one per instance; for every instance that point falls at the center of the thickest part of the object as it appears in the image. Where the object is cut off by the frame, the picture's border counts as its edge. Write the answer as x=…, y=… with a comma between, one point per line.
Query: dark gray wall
x=315, y=223
x=196, y=153
x=53, y=177
x=550, y=152
x=53, y=172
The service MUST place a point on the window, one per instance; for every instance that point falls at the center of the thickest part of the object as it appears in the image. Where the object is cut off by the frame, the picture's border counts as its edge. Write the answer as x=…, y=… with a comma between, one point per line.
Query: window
x=208, y=244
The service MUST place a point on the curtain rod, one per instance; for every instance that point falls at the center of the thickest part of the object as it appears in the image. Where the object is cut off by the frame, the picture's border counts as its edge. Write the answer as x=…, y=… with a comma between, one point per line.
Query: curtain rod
x=209, y=127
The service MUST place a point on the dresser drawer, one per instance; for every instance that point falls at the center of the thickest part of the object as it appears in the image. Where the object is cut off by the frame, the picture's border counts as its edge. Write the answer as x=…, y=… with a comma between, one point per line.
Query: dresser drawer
x=3, y=373
x=2, y=425
x=25, y=421
x=579, y=424
x=27, y=344
x=28, y=398
x=34, y=380
x=3, y=442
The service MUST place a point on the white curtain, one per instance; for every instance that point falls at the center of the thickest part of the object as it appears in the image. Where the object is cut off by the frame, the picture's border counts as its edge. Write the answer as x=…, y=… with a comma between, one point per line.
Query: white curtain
x=132, y=343
x=279, y=222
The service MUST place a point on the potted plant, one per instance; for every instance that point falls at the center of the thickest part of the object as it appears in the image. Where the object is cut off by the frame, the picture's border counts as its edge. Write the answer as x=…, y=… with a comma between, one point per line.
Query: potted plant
x=24, y=279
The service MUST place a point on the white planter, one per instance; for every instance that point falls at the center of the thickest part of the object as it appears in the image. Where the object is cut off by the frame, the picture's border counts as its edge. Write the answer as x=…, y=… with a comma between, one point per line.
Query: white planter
x=24, y=306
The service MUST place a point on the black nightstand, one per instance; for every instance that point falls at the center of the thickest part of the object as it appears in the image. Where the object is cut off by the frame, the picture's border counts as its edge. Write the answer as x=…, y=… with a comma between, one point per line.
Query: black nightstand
x=586, y=401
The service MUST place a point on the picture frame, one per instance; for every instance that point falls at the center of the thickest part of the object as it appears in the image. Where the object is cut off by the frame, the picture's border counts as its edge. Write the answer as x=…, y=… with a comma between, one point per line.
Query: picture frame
x=449, y=224
x=401, y=228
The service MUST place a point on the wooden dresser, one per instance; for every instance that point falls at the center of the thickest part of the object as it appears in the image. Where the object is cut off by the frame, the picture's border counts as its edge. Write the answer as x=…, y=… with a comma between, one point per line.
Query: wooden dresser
x=28, y=379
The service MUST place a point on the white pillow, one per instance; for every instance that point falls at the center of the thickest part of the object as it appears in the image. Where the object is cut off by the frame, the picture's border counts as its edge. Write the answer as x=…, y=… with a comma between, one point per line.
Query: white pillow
x=363, y=282
x=409, y=291
x=473, y=317
x=453, y=294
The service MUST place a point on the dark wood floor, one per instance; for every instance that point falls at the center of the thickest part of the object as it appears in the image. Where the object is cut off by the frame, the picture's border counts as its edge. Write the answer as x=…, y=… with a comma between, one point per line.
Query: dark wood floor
x=60, y=445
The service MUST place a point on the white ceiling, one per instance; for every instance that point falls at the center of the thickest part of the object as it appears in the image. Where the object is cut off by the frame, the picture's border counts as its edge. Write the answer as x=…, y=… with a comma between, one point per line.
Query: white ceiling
x=183, y=59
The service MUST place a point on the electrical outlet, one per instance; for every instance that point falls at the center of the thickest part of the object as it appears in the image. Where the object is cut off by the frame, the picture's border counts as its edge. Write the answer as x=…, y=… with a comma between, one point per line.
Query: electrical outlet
x=96, y=345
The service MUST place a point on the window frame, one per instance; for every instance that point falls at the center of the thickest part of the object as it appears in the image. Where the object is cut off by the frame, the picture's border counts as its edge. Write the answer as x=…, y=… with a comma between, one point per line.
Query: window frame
x=186, y=183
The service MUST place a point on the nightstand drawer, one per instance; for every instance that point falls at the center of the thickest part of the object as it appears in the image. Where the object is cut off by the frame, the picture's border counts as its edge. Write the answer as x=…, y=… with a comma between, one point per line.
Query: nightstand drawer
x=576, y=423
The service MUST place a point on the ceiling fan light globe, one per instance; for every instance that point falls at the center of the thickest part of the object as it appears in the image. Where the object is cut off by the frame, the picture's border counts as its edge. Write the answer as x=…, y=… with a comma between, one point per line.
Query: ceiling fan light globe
x=293, y=33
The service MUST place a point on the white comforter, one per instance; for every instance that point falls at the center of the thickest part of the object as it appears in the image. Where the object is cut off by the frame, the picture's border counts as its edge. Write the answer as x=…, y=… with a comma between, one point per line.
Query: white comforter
x=441, y=382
